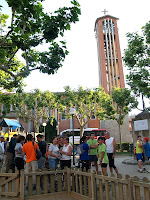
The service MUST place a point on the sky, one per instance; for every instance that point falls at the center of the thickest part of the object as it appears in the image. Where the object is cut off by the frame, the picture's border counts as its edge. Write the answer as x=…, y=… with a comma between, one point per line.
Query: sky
x=80, y=67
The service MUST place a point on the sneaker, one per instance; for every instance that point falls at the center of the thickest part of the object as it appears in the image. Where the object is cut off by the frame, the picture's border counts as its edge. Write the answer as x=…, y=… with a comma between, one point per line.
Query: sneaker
x=144, y=170
x=140, y=170
x=148, y=171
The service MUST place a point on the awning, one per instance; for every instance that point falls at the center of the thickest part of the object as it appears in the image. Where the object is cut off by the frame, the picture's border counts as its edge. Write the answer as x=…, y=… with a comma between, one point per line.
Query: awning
x=11, y=123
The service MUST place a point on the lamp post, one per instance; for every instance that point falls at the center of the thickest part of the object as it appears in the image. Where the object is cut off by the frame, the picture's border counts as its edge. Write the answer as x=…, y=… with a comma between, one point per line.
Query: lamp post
x=44, y=124
x=73, y=112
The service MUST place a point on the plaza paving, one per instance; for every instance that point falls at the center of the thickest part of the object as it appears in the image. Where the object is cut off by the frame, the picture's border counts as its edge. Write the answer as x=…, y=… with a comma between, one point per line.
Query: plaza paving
x=130, y=168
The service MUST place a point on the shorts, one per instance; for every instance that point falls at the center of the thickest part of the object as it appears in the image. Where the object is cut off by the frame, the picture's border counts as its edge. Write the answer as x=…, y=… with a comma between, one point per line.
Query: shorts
x=93, y=158
x=41, y=163
x=139, y=156
x=19, y=162
x=65, y=163
x=104, y=165
x=111, y=160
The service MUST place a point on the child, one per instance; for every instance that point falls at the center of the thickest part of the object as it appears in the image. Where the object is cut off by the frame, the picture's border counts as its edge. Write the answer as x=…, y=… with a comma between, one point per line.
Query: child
x=146, y=146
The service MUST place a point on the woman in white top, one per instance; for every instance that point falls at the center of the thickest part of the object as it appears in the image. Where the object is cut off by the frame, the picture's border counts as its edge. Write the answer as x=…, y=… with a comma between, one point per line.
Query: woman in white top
x=66, y=154
x=53, y=154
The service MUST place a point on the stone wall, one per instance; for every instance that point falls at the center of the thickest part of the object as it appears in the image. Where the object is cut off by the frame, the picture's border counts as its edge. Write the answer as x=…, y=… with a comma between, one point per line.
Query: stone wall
x=112, y=127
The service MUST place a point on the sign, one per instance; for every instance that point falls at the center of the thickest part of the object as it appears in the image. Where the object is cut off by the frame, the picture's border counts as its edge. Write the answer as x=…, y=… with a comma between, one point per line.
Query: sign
x=141, y=125
x=76, y=139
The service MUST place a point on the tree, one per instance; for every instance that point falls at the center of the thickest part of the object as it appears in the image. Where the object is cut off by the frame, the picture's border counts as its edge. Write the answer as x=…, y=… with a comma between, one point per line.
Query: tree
x=50, y=130
x=34, y=106
x=137, y=59
x=5, y=99
x=31, y=27
x=124, y=102
x=87, y=103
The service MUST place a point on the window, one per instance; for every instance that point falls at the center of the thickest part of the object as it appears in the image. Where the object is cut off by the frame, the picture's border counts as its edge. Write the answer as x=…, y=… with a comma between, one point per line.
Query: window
x=93, y=117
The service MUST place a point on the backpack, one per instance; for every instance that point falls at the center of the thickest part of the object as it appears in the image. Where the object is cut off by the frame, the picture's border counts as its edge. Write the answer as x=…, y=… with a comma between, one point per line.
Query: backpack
x=80, y=149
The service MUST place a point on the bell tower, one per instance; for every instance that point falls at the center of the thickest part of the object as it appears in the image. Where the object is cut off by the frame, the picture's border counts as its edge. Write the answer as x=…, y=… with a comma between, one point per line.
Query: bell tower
x=109, y=54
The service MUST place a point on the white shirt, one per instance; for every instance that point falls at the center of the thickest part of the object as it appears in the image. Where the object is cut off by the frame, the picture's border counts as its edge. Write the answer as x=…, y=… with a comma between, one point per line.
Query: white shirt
x=66, y=149
x=2, y=150
x=109, y=145
x=54, y=150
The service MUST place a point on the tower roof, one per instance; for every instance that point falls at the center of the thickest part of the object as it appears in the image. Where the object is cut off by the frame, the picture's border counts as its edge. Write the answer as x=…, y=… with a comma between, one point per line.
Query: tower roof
x=103, y=17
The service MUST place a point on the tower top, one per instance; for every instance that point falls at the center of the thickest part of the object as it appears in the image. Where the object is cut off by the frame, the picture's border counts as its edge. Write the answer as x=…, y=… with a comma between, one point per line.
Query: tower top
x=104, y=17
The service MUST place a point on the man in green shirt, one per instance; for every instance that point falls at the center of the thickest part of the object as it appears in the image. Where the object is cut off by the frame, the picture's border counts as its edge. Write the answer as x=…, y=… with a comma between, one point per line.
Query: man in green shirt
x=102, y=155
x=93, y=144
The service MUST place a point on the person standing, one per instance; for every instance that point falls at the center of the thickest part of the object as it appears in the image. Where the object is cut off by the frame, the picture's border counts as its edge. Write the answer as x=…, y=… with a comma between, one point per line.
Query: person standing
x=66, y=153
x=29, y=149
x=19, y=157
x=84, y=157
x=42, y=147
x=60, y=143
x=102, y=155
x=53, y=154
x=146, y=146
x=93, y=144
x=6, y=144
x=111, y=150
x=10, y=154
x=2, y=151
x=139, y=151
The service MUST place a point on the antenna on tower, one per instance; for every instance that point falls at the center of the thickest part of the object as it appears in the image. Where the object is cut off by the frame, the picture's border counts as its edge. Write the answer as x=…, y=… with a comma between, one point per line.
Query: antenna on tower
x=104, y=11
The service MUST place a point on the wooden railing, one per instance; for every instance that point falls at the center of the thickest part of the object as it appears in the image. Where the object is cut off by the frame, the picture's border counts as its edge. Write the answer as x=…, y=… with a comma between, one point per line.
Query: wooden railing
x=73, y=183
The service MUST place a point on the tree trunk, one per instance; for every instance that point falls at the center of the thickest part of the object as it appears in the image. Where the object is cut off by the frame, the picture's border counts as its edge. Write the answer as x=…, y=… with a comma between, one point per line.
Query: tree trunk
x=81, y=131
x=36, y=127
x=120, y=140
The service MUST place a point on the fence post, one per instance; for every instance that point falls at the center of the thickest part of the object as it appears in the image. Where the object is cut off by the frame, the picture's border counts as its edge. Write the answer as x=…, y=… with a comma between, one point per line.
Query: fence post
x=22, y=185
x=129, y=187
x=93, y=185
x=146, y=189
x=68, y=181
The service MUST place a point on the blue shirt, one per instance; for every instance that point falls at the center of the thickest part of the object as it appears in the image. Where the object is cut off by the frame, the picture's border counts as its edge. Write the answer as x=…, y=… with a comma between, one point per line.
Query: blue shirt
x=85, y=155
x=147, y=149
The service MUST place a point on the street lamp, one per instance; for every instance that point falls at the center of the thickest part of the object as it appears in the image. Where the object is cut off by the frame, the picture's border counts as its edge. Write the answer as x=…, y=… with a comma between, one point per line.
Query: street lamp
x=44, y=124
x=72, y=112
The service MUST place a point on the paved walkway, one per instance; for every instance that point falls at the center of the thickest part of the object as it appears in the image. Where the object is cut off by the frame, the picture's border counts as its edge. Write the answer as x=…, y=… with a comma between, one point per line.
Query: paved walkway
x=130, y=169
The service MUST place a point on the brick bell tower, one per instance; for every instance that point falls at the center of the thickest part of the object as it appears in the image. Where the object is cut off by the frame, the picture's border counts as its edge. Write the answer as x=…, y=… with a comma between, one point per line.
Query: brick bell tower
x=109, y=54
x=110, y=68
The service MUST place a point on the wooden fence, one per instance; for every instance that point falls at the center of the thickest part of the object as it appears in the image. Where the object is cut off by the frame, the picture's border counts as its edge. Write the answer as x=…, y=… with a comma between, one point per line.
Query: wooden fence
x=72, y=183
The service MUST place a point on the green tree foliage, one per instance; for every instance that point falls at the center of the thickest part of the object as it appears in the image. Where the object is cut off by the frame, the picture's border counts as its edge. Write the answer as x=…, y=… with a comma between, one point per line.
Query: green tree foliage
x=5, y=100
x=31, y=27
x=34, y=106
x=124, y=102
x=87, y=103
x=50, y=130
x=137, y=59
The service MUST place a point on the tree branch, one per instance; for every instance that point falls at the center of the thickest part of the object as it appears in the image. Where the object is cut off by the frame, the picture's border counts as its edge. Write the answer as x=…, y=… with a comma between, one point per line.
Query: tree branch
x=78, y=120
x=26, y=71
x=12, y=57
x=6, y=70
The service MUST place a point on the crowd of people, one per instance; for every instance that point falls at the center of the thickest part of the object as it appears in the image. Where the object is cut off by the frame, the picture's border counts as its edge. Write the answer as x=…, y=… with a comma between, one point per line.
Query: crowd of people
x=22, y=153
x=103, y=149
